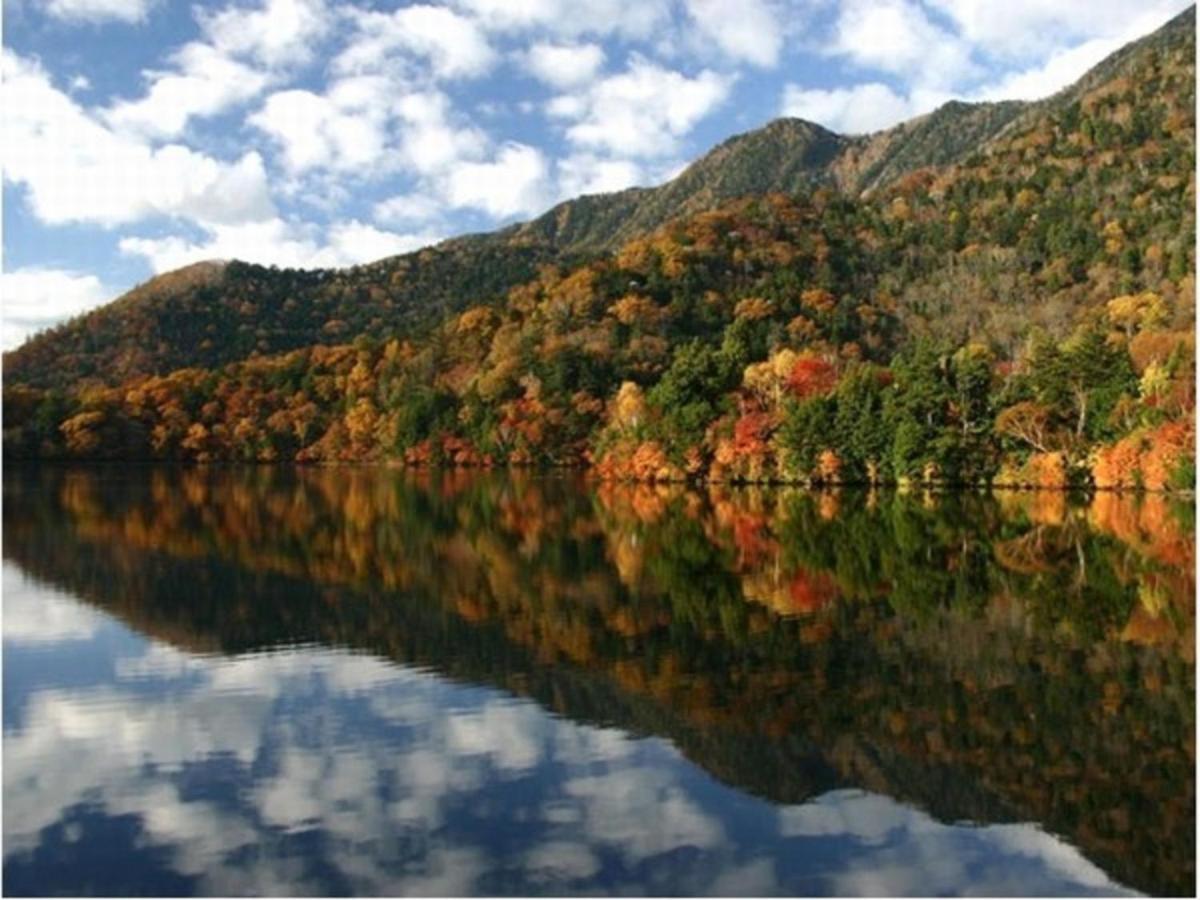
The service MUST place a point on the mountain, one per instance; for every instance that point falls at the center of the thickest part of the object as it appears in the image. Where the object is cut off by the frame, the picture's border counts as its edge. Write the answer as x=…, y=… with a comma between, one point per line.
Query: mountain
x=175, y=321
x=1021, y=312
x=785, y=156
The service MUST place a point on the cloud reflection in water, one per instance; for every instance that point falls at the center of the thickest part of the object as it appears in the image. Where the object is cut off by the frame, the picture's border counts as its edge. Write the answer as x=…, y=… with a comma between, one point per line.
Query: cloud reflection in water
x=311, y=770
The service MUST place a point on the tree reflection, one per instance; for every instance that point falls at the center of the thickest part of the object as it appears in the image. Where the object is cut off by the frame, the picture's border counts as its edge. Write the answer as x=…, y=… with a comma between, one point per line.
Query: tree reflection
x=1021, y=656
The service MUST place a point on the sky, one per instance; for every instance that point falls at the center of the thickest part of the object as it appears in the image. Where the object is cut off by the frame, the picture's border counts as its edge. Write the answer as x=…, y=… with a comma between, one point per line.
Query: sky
x=142, y=135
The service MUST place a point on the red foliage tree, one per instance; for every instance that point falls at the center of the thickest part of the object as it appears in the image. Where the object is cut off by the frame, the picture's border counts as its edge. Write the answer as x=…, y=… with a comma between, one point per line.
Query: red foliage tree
x=812, y=376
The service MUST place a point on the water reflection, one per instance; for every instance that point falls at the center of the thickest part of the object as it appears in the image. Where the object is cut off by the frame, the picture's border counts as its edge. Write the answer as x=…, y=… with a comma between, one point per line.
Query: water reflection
x=266, y=681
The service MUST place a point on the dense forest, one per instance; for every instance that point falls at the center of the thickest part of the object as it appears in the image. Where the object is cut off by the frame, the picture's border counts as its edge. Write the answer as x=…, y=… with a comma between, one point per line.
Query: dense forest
x=1023, y=315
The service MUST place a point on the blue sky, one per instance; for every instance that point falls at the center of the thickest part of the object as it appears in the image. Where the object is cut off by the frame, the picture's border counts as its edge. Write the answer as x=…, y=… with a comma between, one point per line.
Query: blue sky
x=141, y=135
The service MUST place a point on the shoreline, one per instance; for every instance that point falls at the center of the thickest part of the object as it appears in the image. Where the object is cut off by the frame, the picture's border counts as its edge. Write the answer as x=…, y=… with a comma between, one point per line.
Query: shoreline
x=590, y=473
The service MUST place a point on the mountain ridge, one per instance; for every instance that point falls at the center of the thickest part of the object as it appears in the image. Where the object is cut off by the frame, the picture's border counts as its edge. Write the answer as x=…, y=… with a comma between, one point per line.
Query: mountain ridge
x=785, y=155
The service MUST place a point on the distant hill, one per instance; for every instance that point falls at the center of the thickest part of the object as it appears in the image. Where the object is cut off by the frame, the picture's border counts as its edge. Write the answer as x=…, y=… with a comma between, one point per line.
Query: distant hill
x=1022, y=315
x=211, y=315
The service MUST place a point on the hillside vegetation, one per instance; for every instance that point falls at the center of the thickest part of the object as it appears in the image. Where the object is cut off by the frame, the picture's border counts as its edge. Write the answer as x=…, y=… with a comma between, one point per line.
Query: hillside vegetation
x=1020, y=313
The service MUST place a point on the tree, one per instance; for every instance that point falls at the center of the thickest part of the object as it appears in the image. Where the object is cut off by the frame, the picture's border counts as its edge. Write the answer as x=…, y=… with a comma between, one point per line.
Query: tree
x=1028, y=422
x=1097, y=375
x=807, y=430
x=1136, y=312
x=766, y=381
x=861, y=428
x=628, y=411
x=812, y=376
x=689, y=394
x=83, y=432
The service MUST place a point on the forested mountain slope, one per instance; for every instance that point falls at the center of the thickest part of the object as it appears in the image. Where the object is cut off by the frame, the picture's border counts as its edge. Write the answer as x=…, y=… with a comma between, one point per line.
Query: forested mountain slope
x=177, y=320
x=1024, y=315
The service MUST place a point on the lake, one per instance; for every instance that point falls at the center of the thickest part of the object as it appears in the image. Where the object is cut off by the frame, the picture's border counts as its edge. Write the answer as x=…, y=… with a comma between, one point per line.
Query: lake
x=367, y=681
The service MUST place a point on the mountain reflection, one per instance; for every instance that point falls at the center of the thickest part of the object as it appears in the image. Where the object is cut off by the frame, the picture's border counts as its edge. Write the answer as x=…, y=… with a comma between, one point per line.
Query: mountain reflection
x=365, y=681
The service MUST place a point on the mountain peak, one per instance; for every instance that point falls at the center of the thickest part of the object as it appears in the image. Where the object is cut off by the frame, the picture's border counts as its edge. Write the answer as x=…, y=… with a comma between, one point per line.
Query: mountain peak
x=786, y=155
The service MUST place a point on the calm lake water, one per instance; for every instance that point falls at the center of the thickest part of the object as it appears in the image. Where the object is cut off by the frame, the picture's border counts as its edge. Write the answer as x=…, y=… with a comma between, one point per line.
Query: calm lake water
x=277, y=681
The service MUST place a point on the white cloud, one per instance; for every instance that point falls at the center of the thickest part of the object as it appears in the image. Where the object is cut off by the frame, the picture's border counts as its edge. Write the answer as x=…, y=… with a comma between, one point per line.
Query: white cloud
x=564, y=65
x=514, y=182
x=206, y=83
x=390, y=751
x=277, y=33
x=451, y=45
x=95, y=11
x=642, y=111
x=901, y=851
x=35, y=298
x=562, y=860
x=343, y=129
x=896, y=36
x=1026, y=29
x=1057, y=72
x=1066, y=65
x=353, y=242
x=281, y=243
x=362, y=128
x=933, y=65
x=586, y=173
x=430, y=142
x=77, y=170
x=404, y=208
x=749, y=30
x=568, y=18
x=457, y=167
x=35, y=613
x=859, y=109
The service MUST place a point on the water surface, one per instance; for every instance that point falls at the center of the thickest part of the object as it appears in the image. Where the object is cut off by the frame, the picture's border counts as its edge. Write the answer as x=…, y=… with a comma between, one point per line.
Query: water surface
x=235, y=681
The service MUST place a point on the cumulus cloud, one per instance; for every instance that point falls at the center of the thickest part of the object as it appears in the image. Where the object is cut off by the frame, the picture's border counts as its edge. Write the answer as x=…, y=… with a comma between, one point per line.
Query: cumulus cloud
x=431, y=140
x=362, y=128
x=514, y=182
x=859, y=109
x=896, y=36
x=900, y=851
x=406, y=208
x=204, y=82
x=586, y=173
x=97, y=11
x=401, y=776
x=977, y=57
x=353, y=242
x=1067, y=63
x=929, y=64
x=36, y=298
x=450, y=45
x=76, y=169
x=276, y=33
x=643, y=111
x=564, y=65
x=343, y=129
x=629, y=19
x=281, y=243
x=35, y=613
x=458, y=168
x=747, y=31
x=1031, y=28
x=1057, y=72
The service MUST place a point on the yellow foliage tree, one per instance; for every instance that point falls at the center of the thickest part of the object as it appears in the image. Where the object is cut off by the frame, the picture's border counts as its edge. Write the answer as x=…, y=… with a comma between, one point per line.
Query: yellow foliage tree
x=1137, y=312
x=82, y=432
x=629, y=406
x=753, y=308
